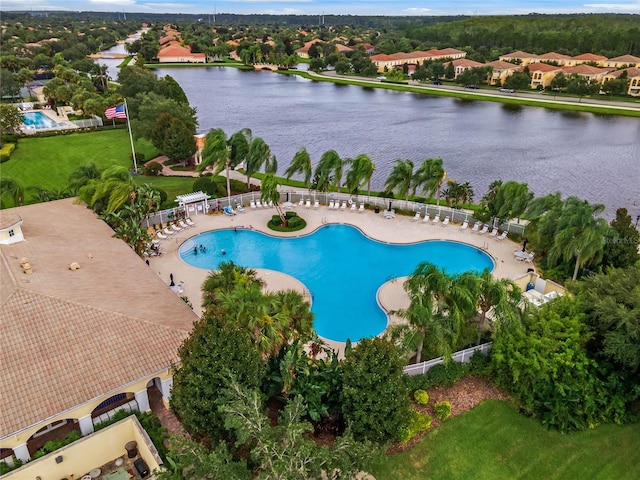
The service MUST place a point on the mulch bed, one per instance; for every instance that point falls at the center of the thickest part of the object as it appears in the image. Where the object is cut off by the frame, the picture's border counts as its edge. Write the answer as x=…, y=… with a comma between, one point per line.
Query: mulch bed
x=464, y=395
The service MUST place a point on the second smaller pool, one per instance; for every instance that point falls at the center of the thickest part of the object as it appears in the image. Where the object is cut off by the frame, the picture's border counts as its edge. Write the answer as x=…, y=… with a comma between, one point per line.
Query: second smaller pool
x=37, y=120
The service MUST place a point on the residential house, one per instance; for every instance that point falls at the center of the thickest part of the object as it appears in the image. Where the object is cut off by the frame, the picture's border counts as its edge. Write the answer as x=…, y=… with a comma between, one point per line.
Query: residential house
x=585, y=58
x=87, y=328
x=622, y=61
x=542, y=74
x=501, y=70
x=462, y=64
x=633, y=79
x=554, y=58
x=175, y=53
x=519, y=57
x=303, y=52
x=593, y=74
x=396, y=60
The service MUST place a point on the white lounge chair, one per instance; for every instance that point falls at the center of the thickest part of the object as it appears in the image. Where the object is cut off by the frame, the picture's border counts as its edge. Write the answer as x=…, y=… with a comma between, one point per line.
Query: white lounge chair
x=465, y=225
x=426, y=218
x=476, y=227
x=175, y=228
x=353, y=206
x=316, y=204
x=494, y=232
x=344, y=205
x=416, y=217
x=270, y=204
x=436, y=219
x=239, y=208
x=252, y=204
x=168, y=231
x=228, y=210
x=484, y=230
x=301, y=202
x=446, y=221
x=361, y=208
x=258, y=204
x=307, y=204
x=190, y=222
x=182, y=224
x=502, y=236
x=331, y=203
x=161, y=235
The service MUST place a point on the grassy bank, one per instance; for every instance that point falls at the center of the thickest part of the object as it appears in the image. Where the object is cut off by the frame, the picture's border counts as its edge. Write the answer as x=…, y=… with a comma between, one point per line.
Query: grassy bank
x=511, y=100
x=495, y=441
x=223, y=63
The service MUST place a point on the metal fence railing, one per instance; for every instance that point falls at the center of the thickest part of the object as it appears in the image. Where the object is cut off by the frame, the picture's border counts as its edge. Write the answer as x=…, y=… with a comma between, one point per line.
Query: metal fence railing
x=462, y=356
x=294, y=196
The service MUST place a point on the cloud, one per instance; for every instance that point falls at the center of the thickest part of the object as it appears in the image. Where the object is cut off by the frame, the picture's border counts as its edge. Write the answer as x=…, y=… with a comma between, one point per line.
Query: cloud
x=416, y=11
x=614, y=6
x=128, y=3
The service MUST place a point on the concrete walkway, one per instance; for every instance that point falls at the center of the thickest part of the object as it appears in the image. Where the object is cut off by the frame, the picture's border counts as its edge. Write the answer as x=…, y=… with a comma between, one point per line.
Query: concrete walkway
x=400, y=229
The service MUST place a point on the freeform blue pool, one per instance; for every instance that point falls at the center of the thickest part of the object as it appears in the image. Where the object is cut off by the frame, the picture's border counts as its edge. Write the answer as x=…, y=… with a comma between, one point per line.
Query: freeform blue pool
x=37, y=120
x=342, y=268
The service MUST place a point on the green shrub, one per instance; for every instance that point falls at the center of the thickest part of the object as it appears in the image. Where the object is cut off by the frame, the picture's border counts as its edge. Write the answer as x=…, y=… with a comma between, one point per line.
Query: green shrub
x=421, y=397
x=290, y=214
x=206, y=185
x=10, y=138
x=153, y=169
x=295, y=222
x=163, y=195
x=442, y=410
x=418, y=422
x=439, y=375
x=479, y=363
x=276, y=220
x=139, y=157
x=4, y=468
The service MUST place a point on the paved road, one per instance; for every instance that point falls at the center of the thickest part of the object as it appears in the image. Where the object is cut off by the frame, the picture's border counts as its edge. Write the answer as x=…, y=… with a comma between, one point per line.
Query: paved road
x=533, y=96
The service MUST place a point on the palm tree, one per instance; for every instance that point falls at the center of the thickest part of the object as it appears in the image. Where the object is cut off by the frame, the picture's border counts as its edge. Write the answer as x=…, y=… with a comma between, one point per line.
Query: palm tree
x=402, y=178
x=258, y=155
x=81, y=176
x=502, y=295
x=110, y=192
x=301, y=163
x=361, y=171
x=328, y=171
x=225, y=279
x=579, y=234
x=269, y=190
x=11, y=193
x=222, y=154
x=430, y=177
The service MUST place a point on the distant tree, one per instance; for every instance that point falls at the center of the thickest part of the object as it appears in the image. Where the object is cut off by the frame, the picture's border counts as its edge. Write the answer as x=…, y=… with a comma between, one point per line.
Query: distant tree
x=301, y=163
x=430, y=176
x=450, y=71
x=328, y=171
x=581, y=86
x=437, y=70
x=10, y=119
x=145, y=110
x=616, y=87
x=360, y=172
x=375, y=397
x=258, y=155
x=9, y=86
x=518, y=81
x=402, y=178
x=621, y=241
x=169, y=88
x=179, y=144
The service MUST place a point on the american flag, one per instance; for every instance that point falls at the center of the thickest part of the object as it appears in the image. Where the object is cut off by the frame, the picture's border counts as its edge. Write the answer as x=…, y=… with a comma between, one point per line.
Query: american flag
x=116, y=112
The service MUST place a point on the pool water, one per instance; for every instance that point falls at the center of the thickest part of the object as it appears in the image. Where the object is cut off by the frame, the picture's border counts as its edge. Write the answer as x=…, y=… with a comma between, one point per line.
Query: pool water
x=37, y=120
x=342, y=268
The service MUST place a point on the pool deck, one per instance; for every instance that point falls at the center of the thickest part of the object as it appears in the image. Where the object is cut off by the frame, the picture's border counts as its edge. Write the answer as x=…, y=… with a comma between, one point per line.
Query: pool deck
x=400, y=229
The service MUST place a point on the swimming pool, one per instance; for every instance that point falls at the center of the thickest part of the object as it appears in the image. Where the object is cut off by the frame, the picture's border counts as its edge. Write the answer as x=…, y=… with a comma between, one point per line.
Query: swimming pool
x=342, y=268
x=37, y=120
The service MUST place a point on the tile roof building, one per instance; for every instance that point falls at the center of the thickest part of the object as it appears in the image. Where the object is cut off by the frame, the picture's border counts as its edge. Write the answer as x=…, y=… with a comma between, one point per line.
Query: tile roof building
x=79, y=340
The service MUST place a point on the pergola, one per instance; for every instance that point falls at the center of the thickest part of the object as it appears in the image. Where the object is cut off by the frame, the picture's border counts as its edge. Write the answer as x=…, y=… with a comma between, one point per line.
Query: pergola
x=196, y=202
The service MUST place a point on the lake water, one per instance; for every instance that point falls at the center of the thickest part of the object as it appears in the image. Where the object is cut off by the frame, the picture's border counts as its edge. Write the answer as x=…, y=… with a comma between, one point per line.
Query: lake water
x=594, y=157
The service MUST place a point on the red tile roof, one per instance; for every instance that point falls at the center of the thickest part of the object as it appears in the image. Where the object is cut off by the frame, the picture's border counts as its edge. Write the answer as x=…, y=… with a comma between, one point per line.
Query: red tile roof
x=589, y=57
x=553, y=56
x=500, y=65
x=625, y=59
x=585, y=70
x=465, y=62
x=175, y=50
x=70, y=336
x=519, y=55
x=542, y=67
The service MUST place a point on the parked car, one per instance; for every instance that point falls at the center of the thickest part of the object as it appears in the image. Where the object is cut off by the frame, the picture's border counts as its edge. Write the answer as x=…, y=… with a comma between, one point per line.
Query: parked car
x=437, y=82
x=381, y=78
x=473, y=87
x=507, y=90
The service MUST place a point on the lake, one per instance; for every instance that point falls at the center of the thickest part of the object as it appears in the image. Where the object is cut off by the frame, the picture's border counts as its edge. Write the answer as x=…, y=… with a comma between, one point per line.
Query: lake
x=594, y=157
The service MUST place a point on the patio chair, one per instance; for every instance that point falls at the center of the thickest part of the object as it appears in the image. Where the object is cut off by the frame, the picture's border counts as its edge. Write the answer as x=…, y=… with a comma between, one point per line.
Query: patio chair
x=239, y=208
x=426, y=218
x=436, y=219
x=175, y=228
x=182, y=224
x=494, y=232
x=416, y=217
x=168, y=231
x=476, y=227
x=361, y=208
x=502, y=236
x=484, y=230
x=344, y=205
x=465, y=225
x=316, y=204
x=161, y=235
x=307, y=204
x=446, y=221
x=190, y=222
x=331, y=203
x=258, y=204
x=228, y=210
x=301, y=202
x=353, y=206
x=252, y=204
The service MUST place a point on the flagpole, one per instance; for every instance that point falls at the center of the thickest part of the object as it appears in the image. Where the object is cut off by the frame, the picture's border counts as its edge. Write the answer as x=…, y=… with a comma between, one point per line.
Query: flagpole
x=133, y=151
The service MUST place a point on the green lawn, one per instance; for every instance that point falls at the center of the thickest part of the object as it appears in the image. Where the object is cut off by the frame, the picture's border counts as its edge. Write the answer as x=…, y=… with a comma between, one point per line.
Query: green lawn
x=48, y=161
x=494, y=441
x=172, y=185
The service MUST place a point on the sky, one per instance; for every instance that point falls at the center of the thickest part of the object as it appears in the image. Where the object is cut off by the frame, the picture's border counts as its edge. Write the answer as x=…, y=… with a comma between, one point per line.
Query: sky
x=331, y=7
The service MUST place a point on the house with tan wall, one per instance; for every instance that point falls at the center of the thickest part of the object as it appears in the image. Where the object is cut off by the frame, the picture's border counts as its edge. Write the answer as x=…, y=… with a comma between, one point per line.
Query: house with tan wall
x=554, y=58
x=519, y=57
x=633, y=79
x=542, y=74
x=175, y=53
x=501, y=70
x=622, y=61
x=396, y=60
x=462, y=64
x=593, y=74
x=585, y=58
x=88, y=329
